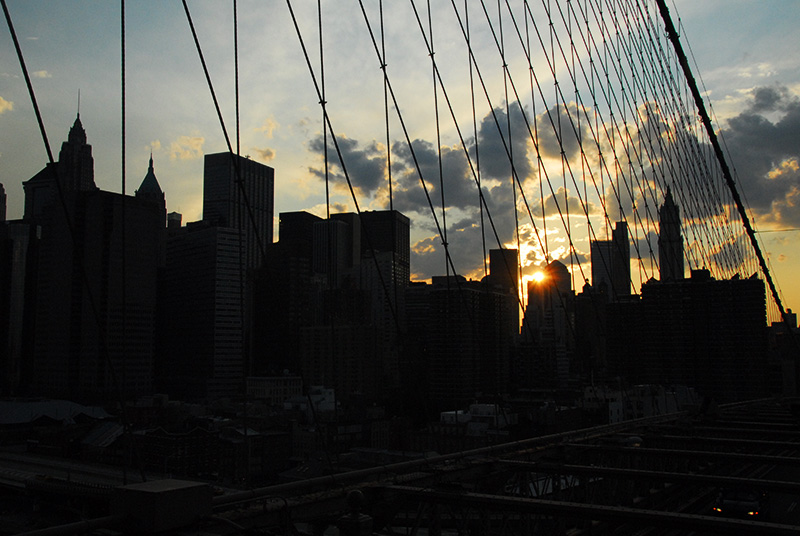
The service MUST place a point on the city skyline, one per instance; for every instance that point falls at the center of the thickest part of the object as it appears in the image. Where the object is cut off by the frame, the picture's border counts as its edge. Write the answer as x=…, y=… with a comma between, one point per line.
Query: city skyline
x=280, y=119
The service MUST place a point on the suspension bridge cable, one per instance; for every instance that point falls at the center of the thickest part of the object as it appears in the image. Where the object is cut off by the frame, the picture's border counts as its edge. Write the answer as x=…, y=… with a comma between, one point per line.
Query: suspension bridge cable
x=718, y=151
x=476, y=143
x=329, y=125
x=236, y=163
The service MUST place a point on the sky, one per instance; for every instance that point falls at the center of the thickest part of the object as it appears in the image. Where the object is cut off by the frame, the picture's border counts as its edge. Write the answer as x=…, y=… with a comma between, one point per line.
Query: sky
x=746, y=54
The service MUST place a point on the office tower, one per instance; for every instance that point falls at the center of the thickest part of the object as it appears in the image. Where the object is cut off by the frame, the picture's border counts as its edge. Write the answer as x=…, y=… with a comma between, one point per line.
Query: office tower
x=460, y=335
x=670, y=241
x=706, y=333
x=337, y=254
x=75, y=161
x=238, y=194
x=18, y=259
x=96, y=281
x=2, y=203
x=611, y=268
x=547, y=327
x=74, y=172
x=504, y=268
x=388, y=231
x=203, y=347
x=283, y=294
x=211, y=271
x=296, y=231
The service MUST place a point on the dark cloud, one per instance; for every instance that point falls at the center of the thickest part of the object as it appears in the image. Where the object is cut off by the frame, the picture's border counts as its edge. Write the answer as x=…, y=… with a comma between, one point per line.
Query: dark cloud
x=766, y=154
x=494, y=147
x=460, y=190
x=769, y=99
x=563, y=128
x=366, y=166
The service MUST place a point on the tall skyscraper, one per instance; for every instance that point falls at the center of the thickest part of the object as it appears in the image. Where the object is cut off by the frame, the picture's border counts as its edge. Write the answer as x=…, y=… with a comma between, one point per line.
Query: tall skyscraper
x=238, y=194
x=336, y=249
x=670, y=241
x=2, y=203
x=611, y=265
x=706, y=333
x=207, y=281
x=74, y=172
x=96, y=281
x=388, y=231
x=460, y=338
x=203, y=343
x=547, y=328
x=504, y=268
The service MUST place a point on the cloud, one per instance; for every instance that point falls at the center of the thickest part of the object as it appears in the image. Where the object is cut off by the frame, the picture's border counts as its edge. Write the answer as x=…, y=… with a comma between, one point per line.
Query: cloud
x=766, y=152
x=365, y=164
x=41, y=74
x=155, y=145
x=5, y=106
x=266, y=154
x=769, y=99
x=562, y=128
x=187, y=148
x=268, y=127
x=496, y=143
x=460, y=190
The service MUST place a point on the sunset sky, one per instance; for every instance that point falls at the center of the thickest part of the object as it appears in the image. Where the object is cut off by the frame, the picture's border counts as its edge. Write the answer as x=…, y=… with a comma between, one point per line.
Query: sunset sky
x=746, y=52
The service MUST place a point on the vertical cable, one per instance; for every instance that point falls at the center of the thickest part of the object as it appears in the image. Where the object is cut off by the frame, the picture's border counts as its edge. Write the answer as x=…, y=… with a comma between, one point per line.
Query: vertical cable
x=122, y=207
x=323, y=103
x=386, y=109
x=475, y=134
x=432, y=54
x=517, y=268
x=122, y=170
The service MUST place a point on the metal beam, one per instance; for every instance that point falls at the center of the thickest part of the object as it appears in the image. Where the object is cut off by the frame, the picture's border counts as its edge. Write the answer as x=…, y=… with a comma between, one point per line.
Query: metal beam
x=736, y=442
x=704, y=454
x=663, y=476
x=615, y=514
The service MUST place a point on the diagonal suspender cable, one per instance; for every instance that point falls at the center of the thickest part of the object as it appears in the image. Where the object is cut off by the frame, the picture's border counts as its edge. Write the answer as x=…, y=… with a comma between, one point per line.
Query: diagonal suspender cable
x=329, y=125
x=236, y=166
x=475, y=135
x=673, y=36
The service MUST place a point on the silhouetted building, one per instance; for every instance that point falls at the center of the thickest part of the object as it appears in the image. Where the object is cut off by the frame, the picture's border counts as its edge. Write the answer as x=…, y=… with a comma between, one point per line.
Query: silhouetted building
x=504, y=269
x=337, y=250
x=96, y=280
x=670, y=241
x=19, y=245
x=239, y=193
x=385, y=273
x=461, y=337
x=283, y=296
x=705, y=333
x=203, y=347
x=611, y=265
x=547, y=329
x=2, y=203
x=388, y=231
x=784, y=345
x=211, y=266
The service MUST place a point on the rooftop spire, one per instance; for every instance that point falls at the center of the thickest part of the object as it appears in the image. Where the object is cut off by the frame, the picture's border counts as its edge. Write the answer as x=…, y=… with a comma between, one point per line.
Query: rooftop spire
x=150, y=187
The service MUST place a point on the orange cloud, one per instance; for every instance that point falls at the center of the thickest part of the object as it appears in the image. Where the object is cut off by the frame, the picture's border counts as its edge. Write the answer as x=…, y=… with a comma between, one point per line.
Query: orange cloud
x=5, y=106
x=268, y=127
x=187, y=148
x=266, y=154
